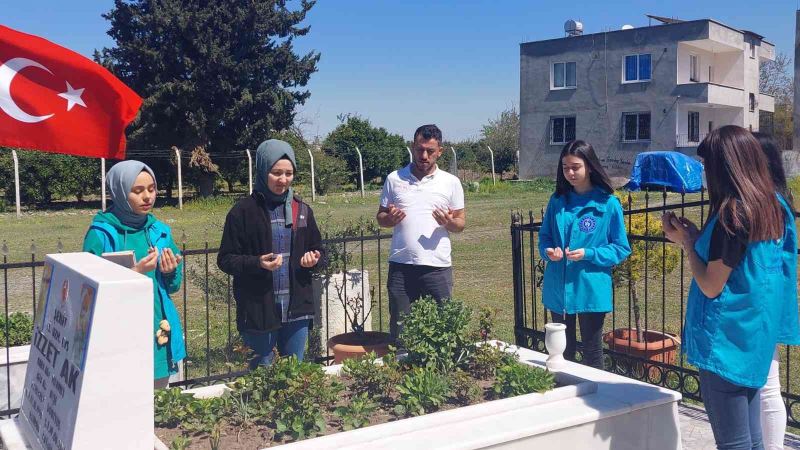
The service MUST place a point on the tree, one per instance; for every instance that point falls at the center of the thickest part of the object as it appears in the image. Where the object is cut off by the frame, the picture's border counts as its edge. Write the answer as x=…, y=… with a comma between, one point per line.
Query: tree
x=44, y=176
x=213, y=73
x=775, y=80
x=382, y=151
x=502, y=135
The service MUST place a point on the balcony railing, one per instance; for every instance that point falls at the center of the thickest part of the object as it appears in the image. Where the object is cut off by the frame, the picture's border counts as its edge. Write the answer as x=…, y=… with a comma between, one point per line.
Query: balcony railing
x=689, y=140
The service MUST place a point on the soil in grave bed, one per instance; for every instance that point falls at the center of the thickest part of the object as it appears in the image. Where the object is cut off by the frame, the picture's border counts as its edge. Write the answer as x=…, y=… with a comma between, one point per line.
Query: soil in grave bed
x=260, y=436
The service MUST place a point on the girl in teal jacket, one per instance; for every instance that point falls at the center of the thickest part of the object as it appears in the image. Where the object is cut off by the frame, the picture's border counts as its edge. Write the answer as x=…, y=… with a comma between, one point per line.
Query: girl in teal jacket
x=129, y=225
x=736, y=299
x=582, y=237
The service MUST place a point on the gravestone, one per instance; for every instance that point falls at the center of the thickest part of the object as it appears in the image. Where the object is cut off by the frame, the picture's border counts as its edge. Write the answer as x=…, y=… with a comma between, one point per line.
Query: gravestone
x=89, y=382
x=330, y=314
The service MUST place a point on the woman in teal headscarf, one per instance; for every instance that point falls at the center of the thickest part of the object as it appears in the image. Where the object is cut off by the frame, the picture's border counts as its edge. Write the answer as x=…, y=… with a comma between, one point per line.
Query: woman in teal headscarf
x=130, y=225
x=271, y=246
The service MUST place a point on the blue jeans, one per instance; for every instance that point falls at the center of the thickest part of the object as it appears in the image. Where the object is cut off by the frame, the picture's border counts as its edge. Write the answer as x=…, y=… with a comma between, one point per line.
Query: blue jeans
x=290, y=339
x=734, y=412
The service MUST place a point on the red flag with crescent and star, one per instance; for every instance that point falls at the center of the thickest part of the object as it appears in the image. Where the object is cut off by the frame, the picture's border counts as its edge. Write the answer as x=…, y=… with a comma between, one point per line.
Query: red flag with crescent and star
x=55, y=100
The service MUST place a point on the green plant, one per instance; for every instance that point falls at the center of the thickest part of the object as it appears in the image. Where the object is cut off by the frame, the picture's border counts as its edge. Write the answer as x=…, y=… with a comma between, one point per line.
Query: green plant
x=203, y=414
x=357, y=412
x=422, y=390
x=180, y=443
x=170, y=407
x=485, y=330
x=298, y=392
x=369, y=377
x=436, y=335
x=20, y=329
x=214, y=437
x=465, y=390
x=485, y=360
x=518, y=379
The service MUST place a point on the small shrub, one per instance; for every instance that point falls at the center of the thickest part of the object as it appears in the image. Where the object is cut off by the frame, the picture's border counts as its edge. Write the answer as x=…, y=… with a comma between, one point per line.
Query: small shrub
x=436, y=335
x=180, y=443
x=20, y=329
x=357, y=412
x=422, y=390
x=298, y=393
x=465, y=390
x=368, y=377
x=485, y=360
x=203, y=414
x=518, y=379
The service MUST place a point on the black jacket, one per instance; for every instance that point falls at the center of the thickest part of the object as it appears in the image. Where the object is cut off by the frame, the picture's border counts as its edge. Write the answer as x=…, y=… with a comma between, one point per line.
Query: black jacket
x=247, y=236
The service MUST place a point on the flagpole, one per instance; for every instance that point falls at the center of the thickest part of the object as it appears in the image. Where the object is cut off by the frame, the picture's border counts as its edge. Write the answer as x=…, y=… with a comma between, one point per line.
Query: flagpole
x=103, y=181
x=16, y=180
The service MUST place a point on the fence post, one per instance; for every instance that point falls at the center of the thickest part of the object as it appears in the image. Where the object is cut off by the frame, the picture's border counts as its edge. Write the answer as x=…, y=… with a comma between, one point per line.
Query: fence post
x=518, y=168
x=410, y=158
x=103, y=184
x=361, y=171
x=313, y=182
x=491, y=153
x=16, y=181
x=180, y=179
x=455, y=161
x=516, y=260
x=250, y=170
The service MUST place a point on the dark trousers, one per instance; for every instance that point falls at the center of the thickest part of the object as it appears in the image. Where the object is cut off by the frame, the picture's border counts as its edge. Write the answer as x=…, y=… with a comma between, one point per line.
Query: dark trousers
x=591, y=335
x=734, y=412
x=406, y=283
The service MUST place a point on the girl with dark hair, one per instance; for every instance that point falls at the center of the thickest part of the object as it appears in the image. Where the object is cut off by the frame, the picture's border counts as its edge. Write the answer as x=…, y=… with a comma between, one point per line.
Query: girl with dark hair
x=582, y=237
x=773, y=409
x=733, y=315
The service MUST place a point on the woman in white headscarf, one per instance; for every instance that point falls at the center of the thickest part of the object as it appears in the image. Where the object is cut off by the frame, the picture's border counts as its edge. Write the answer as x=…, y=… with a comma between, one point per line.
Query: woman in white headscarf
x=130, y=225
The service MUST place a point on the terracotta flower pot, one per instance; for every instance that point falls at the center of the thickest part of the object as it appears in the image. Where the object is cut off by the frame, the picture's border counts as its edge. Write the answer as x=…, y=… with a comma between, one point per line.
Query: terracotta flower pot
x=352, y=345
x=656, y=346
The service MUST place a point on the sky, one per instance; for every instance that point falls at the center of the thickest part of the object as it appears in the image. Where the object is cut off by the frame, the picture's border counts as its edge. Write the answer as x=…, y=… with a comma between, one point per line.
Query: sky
x=404, y=63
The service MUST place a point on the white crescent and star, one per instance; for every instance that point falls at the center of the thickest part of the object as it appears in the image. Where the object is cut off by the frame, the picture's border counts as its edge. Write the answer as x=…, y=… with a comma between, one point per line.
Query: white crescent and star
x=9, y=70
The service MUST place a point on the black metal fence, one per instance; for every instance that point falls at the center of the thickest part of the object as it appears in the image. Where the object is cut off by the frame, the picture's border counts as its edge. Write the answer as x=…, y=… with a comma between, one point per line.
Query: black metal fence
x=649, y=295
x=207, y=308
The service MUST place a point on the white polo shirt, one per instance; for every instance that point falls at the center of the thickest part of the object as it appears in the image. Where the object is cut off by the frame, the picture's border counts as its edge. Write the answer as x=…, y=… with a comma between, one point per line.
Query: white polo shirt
x=418, y=239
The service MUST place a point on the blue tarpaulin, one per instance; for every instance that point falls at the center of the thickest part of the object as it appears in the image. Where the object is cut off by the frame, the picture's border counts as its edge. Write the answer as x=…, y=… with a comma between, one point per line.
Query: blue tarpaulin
x=676, y=171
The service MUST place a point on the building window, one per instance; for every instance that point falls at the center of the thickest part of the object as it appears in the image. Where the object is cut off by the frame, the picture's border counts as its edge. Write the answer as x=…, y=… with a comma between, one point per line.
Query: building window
x=637, y=68
x=752, y=50
x=635, y=127
x=752, y=102
x=562, y=129
x=693, y=68
x=563, y=75
x=694, y=126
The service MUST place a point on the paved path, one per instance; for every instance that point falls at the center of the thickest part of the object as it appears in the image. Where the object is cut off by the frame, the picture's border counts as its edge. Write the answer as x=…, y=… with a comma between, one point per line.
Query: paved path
x=696, y=431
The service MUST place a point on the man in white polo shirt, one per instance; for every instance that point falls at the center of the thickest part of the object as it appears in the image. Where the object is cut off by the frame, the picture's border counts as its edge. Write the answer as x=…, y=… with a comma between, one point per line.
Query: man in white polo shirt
x=423, y=204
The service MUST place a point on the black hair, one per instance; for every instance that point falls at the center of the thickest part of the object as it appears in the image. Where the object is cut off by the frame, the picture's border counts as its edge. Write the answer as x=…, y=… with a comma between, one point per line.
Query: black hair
x=584, y=151
x=429, y=132
x=775, y=163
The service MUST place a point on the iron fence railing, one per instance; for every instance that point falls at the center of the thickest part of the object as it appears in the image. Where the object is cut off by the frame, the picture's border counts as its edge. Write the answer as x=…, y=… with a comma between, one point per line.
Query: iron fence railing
x=649, y=295
x=207, y=308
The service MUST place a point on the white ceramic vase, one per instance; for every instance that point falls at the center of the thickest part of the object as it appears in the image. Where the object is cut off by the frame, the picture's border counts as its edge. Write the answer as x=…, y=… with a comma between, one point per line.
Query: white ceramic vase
x=555, y=340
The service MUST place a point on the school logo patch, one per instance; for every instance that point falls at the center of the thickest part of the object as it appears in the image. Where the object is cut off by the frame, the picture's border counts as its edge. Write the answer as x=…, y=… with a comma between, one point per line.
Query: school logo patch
x=587, y=224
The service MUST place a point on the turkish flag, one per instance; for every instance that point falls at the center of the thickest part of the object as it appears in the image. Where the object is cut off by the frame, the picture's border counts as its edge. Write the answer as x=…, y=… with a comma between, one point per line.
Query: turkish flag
x=55, y=100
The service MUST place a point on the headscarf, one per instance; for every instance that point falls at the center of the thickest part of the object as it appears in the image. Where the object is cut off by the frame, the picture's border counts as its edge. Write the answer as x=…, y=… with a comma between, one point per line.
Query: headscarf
x=120, y=180
x=267, y=154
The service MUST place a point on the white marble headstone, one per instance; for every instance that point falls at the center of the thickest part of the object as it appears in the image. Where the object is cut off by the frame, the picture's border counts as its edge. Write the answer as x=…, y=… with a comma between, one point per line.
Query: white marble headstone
x=90, y=373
